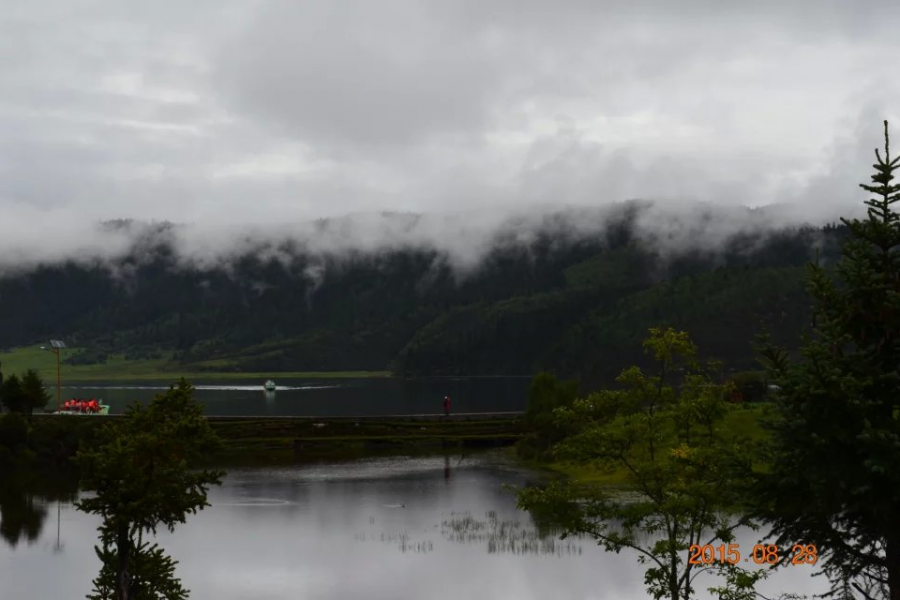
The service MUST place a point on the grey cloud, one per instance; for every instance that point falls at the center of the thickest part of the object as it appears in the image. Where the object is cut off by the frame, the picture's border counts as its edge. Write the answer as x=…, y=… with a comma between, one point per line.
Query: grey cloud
x=232, y=115
x=361, y=72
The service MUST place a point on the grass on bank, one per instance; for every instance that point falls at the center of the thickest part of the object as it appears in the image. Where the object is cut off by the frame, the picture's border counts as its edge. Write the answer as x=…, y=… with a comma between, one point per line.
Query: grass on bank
x=262, y=441
x=18, y=360
x=744, y=421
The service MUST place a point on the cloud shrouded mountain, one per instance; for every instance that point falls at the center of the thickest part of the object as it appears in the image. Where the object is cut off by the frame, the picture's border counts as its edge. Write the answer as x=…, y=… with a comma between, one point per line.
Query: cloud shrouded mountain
x=463, y=239
x=574, y=292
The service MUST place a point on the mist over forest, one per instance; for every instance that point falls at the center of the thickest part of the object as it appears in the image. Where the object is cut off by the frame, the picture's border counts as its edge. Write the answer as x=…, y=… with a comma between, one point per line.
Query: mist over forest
x=573, y=291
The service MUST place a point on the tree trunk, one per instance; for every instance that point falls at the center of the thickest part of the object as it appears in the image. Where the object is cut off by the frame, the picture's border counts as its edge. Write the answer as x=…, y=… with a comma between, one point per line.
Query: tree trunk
x=123, y=581
x=892, y=558
x=674, y=587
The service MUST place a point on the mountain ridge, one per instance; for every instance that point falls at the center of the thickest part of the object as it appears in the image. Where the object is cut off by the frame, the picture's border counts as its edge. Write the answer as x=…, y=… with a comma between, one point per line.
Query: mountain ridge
x=575, y=306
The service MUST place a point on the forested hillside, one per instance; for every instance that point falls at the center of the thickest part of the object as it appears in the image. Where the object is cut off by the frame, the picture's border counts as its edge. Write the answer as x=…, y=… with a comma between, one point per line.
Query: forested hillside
x=575, y=307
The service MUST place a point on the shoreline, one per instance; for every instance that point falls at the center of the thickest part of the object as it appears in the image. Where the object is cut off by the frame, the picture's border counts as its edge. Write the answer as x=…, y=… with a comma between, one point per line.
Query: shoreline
x=53, y=440
x=118, y=368
x=284, y=440
x=198, y=376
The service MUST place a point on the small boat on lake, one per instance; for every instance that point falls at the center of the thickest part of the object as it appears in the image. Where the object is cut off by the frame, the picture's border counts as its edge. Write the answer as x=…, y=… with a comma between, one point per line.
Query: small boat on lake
x=79, y=406
x=269, y=386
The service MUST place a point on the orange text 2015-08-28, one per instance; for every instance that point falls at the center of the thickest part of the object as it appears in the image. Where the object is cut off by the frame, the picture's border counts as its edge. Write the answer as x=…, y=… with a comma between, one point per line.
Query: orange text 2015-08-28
x=801, y=554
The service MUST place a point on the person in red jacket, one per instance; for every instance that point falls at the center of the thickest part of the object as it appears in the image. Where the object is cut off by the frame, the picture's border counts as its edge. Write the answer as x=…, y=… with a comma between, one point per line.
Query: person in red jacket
x=446, y=406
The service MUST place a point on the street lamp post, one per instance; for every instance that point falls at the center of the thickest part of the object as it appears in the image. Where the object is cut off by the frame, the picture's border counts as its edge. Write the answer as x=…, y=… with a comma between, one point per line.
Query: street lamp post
x=55, y=347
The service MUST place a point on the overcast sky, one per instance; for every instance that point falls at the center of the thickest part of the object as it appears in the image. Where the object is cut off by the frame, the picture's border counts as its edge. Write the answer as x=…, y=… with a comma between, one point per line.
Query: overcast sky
x=240, y=111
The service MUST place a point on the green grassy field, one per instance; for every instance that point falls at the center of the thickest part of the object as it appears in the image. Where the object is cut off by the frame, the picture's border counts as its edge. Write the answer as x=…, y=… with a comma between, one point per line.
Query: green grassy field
x=118, y=368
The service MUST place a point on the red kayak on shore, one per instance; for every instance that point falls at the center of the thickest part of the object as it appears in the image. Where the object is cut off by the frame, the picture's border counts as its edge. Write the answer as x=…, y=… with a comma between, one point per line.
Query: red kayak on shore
x=80, y=406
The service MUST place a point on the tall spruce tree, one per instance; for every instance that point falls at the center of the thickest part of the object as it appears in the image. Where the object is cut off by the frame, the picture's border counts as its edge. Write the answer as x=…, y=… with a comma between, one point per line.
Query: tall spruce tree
x=141, y=478
x=33, y=392
x=13, y=396
x=835, y=455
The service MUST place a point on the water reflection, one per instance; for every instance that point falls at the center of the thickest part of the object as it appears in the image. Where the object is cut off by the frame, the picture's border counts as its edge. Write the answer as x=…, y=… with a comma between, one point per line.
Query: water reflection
x=507, y=536
x=402, y=541
x=21, y=518
x=24, y=500
x=394, y=528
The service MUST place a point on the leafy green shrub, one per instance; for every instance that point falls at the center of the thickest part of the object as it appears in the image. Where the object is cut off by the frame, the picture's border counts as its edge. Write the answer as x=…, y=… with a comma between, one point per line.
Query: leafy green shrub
x=545, y=395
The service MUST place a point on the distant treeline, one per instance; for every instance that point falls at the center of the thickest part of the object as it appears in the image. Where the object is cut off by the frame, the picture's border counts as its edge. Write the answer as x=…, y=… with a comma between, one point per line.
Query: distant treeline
x=578, y=308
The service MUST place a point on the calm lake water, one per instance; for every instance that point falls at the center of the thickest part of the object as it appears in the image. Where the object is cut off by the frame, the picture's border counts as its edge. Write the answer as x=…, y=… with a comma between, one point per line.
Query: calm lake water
x=321, y=397
x=379, y=529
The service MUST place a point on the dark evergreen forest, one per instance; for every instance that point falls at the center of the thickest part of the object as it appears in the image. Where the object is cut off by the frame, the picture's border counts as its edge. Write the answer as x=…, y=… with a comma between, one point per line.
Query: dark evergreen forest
x=576, y=307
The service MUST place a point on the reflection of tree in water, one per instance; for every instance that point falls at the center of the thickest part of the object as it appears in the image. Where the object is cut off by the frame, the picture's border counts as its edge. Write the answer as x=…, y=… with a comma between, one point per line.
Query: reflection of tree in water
x=23, y=502
x=509, y=536
x=21, y=517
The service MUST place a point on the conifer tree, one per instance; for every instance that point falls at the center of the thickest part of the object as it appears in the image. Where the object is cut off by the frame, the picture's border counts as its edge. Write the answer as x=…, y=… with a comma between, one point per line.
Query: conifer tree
x=835, y=455
x=13, y=397
x=33, y=392
x=141, y=477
